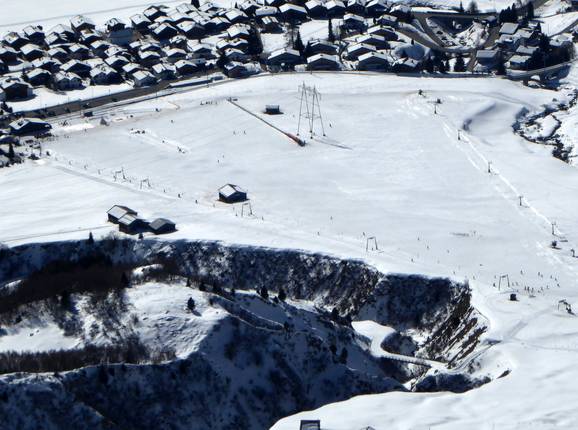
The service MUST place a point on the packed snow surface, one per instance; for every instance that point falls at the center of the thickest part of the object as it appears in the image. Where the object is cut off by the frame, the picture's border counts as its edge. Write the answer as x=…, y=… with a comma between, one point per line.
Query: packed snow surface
x=389, y=172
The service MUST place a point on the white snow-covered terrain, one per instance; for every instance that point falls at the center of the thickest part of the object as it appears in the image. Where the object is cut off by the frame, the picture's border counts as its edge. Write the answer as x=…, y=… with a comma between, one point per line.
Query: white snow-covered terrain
x=434, y=201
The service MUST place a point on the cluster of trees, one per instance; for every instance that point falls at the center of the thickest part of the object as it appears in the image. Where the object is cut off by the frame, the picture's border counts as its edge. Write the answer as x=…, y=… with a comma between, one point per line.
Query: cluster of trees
x=509, y=14
x=131, y=351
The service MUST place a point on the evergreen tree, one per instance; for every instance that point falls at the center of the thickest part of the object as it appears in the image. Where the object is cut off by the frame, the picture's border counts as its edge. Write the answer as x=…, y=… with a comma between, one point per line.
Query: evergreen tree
x=330, y=34
x=514, y=17
x=222, y=60
x=188, y=282
x=264, y=293
x=298, y=44
x=473, y=8
x=461, y=8
x=530, y=13
x=124, y=281
x=282, y=295
x=191, y=304
x=460, y=65
x=90, y=238
x=428, y=65
x=11, y=153
x=501, y=67
x=202, y=287
x=343, y=356
x=195, y=3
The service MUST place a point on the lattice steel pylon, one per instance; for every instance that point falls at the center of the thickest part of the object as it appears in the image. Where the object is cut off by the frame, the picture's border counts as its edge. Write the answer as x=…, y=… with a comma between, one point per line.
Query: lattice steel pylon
x=312, y=100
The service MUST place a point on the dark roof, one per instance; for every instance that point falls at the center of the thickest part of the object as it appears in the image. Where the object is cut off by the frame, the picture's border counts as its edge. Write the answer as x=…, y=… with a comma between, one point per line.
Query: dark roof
x=159, y=223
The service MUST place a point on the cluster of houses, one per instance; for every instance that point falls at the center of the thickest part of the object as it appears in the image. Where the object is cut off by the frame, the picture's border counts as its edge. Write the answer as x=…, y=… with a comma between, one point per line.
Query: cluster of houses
x=521, y=47
x=129, y=222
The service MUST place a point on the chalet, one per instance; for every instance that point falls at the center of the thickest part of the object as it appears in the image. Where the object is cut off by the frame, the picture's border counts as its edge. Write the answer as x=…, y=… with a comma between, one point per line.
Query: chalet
x=3, y=67
x=164, y=71
x=232, y=194
x=354, y=22
x=508, y=28
x=34, y=33
x=249, y=7
x=175, y=54
x=354, y=51
x=114, y=50
x=116, y=212
x=201, y=50
x=31, y=52
x=310, y=425
x=335, y=8
x=216, y=25
x=15, y=89
x=400, y=11
x=508, y=42
x=148, y=58
x=373, y=39
x=374, y=61
x=236, y=16
x=284, y=57
x=377, y=8
x=143, y=78
x=130, y=68
x=527, y=50
x=272, y=110
x=386, y=32
x=77, y=67
x=140, y=22
x=117, y=62
x=29, y=127
x=356, y=6
x=274, y=3
x=8, y=54
x=293, y=13
x=149, y=47
x=55, y=39
x=14, y=40
x=239, y=31
x=164, y=32
x=316, y=9
x=78, y=52
x=38, y=77
x=518, y=62
x=186, y=8
x=89, y=37
x=131, y=224
x=179, y=18
x=265, y=11
x=270, y=24
x=388, y=20
x=407, y=65
x=64, y=31
x=49, y=64
x=323, y=62
x=193, y=30
x=58, y=54
x=80, y=23
x=186, y=67
x=560, y=42
x=415, y=52
x=240, y=44
x=236, y=55
x=153, y=13
x=162, y=226
x=119, y=33
x=235, y=69
x=316, y=46
x=100, y=47
x=487, y=58
x=104, y=75
x=64, y=81
x=179, y=41
x=114, y=24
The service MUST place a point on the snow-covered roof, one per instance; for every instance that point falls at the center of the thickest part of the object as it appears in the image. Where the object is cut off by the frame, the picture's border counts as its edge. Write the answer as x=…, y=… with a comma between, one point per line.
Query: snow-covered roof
x=508, y=28
x=230, y=189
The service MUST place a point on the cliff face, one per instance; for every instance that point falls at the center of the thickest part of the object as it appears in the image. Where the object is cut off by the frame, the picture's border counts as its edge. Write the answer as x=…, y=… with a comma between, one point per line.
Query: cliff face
x=259, y=358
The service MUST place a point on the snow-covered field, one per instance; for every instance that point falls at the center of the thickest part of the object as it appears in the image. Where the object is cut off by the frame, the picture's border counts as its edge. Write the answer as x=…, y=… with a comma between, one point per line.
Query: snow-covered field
x=387, y=168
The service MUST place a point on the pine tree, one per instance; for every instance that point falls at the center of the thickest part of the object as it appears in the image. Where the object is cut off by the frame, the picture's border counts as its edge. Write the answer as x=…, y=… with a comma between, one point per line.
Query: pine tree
x=330, y=34
x=282, y=295
x=460, y=65
x=530, y=14
x=501, y=67
x=124, y=281
x=298, y=44
x=222, y=60
x=264, y=293
x=90, y=240
x=195, y=3
x=461, y=8
x=11, y=153
x=191, y=304
x=473, y=8
x=343, y=356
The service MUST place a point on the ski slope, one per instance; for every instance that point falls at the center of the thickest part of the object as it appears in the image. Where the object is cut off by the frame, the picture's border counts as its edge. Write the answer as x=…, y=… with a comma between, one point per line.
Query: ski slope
x=436, y=202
